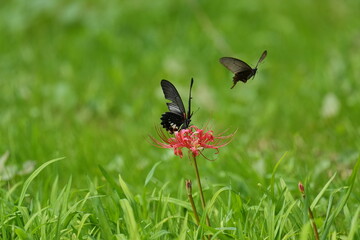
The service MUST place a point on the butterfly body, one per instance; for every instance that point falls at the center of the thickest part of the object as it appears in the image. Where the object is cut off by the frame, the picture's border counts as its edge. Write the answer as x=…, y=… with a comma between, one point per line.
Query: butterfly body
x=177, y=118
x=242, y=71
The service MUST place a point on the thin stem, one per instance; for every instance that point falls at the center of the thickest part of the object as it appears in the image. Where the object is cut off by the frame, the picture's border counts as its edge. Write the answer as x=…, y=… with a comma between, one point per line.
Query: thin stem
x=201, y=191
x=311, y=215
x=188, y=186
x=316, y=233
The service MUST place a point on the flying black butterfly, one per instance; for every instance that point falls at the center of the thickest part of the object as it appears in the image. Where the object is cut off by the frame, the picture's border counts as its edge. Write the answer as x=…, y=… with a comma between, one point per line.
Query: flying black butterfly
x=241, y=69
x=177, y=118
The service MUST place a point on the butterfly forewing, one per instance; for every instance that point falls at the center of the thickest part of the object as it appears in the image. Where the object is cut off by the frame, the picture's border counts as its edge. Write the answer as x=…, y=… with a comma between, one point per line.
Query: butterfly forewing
x=263, y=56
x=234, y=65
x=176, y=105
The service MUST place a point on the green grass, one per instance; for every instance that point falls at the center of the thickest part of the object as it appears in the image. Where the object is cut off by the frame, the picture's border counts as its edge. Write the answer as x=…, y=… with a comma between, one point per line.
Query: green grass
x=80, y=82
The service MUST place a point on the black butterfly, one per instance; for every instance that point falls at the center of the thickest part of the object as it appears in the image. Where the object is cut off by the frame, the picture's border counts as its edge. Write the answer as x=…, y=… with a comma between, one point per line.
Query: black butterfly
x=177, y=118
x=241, y=69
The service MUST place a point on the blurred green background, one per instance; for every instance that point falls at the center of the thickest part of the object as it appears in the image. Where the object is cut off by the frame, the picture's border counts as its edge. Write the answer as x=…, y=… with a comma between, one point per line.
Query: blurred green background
x=81, y=80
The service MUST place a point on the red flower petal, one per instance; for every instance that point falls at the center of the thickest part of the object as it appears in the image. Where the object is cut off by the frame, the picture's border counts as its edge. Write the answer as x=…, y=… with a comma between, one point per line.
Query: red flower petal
x=193, y=138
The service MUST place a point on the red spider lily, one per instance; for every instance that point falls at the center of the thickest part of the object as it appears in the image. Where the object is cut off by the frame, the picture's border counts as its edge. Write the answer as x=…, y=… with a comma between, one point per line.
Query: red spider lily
x=192, y=138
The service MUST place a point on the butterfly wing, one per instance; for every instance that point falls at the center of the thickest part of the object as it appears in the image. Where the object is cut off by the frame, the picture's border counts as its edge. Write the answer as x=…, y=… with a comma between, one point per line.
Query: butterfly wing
x=263, y=56
x=175, y=119
x=234, y=65
x=172, y=122
x=176, y=105
x=244, y=75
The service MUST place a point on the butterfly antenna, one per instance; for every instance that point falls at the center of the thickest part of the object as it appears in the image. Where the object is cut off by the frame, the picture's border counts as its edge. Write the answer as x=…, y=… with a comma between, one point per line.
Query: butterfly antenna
x=195, y=111
x=189, y=109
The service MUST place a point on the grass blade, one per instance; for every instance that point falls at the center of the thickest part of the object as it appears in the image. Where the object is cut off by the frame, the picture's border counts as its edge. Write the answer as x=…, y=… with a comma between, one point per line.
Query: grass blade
x=32, y=177
x=272, y=183
x=151, y=173
x=321, y=193
x=130, y=219
x=342, y=202
x=111, y=181
x=125, y=189
x=354, y=225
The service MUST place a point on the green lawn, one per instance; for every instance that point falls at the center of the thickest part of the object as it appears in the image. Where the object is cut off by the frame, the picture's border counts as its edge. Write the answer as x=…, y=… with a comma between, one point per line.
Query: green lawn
x=80, y=82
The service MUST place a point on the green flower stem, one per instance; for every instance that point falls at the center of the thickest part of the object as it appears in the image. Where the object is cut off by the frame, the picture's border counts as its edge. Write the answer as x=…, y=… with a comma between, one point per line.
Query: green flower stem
x=201, y=191
x=188, y=185
x=311, y=215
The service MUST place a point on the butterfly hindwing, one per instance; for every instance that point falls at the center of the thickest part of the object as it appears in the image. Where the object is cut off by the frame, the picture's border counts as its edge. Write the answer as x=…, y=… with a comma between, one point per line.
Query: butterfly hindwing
x=171, y=121
x=244, y=75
